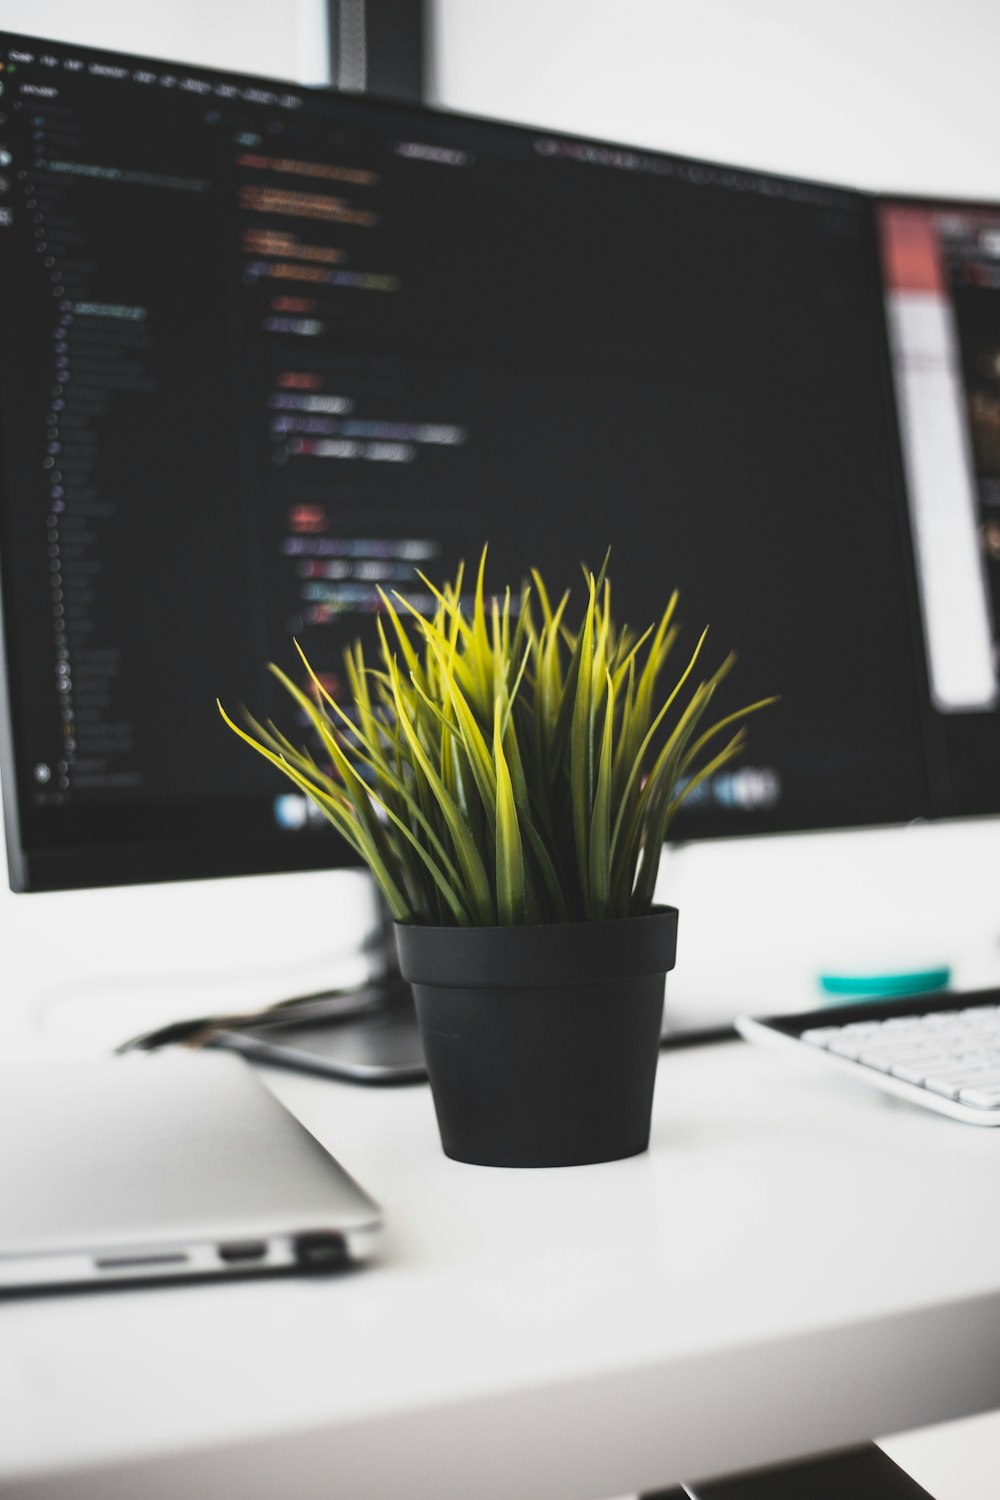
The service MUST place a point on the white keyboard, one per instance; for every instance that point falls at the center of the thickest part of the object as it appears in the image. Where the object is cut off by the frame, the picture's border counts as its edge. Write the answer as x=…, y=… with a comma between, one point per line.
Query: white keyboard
x=939, y=1051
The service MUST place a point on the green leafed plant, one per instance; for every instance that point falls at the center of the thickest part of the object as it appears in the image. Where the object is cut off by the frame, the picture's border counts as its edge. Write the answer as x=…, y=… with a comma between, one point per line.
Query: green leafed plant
x=501, y=767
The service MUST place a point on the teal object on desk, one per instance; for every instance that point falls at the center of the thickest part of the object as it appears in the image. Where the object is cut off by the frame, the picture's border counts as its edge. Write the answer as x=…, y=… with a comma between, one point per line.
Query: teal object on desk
x=884, y=986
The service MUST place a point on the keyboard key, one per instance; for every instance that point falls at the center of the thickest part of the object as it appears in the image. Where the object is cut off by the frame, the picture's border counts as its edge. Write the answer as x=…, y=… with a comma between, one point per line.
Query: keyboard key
x=952, y=1081
x=848, y=1046
x=818, y=1036
x=989, y=1078
x=925, y=1067
x=885, y=1059
x=981, y=1097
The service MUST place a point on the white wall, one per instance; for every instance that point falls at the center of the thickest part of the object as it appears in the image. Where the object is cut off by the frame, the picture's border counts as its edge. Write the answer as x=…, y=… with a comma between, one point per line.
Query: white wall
x=277, y=38
x=894, y=94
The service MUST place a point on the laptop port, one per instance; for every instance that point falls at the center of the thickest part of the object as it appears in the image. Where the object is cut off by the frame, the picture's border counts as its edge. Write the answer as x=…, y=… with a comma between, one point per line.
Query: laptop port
x=133, y=1262
x=242, y=1250
x=322, y=1250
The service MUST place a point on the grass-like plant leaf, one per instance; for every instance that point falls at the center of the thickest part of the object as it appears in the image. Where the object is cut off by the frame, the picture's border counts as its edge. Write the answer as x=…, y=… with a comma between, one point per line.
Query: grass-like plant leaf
x=500, y=768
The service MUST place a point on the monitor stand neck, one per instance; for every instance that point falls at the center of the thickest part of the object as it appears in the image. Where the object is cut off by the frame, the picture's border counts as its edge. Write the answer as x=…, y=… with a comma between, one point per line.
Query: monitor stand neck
x=379, y=947
x=382, y=984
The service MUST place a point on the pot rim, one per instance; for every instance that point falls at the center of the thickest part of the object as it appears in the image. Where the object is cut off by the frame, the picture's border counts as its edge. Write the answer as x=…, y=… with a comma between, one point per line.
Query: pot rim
x=542, y=954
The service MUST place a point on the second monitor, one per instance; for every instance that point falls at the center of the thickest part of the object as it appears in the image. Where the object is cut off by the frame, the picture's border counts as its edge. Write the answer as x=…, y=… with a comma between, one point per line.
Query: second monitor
x=941, y=269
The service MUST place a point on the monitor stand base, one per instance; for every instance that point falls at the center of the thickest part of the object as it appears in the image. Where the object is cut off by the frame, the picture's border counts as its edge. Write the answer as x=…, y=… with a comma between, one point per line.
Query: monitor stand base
x=370, y=1037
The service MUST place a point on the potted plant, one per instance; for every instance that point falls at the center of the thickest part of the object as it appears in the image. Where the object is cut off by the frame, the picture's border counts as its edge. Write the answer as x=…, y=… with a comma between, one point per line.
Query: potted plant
x=509, y=779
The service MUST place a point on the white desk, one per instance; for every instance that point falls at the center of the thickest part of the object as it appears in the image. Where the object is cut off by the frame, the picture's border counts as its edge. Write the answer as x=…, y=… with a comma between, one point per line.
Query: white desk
x=797, y=1264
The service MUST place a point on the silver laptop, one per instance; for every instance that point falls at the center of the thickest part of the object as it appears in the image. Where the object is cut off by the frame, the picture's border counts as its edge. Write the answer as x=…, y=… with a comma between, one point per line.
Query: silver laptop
x=164, y=1166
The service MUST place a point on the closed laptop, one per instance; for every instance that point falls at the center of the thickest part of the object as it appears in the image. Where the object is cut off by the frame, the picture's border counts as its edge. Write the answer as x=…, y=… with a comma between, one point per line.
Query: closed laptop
x=167, y=1165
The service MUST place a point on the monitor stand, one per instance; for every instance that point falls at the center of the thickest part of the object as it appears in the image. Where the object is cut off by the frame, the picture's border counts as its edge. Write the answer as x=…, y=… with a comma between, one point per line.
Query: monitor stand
x=374, y=1042
x=362, y=1035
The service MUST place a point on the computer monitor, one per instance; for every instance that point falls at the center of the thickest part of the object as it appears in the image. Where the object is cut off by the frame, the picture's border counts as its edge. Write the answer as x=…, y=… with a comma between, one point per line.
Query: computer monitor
x=941, y=266
x=267, y=349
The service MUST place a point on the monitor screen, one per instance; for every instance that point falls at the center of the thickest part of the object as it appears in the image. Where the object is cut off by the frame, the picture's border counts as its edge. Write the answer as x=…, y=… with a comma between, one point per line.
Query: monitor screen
x=942, y=287
x=266, y=350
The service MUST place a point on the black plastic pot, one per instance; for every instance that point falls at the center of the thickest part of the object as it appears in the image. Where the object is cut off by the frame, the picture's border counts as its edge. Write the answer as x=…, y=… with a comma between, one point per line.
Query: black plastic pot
x=541, y=1042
